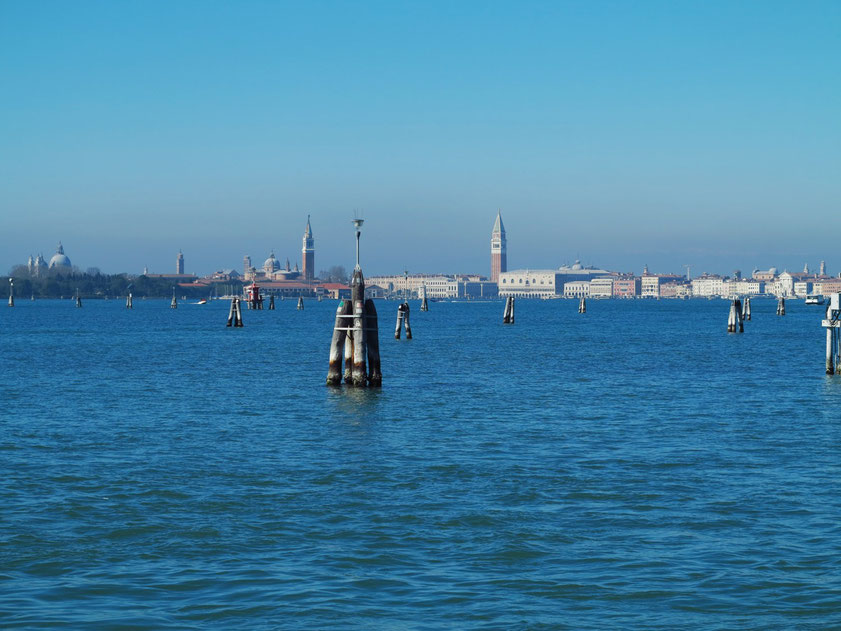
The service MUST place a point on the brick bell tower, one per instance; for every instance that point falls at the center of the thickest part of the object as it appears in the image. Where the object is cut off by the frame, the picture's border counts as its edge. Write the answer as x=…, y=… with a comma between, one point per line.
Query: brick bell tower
x=308, y=253
x=499, y=249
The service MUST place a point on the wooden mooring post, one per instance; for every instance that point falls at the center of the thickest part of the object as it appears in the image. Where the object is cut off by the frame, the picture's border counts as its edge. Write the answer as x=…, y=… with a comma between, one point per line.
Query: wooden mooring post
x=582, y=305
x=271, y=302
x=300, y=303
x=128, y=301
x=11, y=292
x=403, y=321
x=424, y=304
x=832, y=324
x=78, y=299
x=734, y=319
x=355, y=335
x=746, y=310
x=235, y=314
x=174, y=303
x=781, y=306
x=508, y=313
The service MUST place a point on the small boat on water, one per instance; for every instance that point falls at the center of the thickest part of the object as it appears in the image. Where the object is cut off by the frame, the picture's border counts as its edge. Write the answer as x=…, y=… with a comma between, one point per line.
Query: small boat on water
x=203, y=301
x=814, y=300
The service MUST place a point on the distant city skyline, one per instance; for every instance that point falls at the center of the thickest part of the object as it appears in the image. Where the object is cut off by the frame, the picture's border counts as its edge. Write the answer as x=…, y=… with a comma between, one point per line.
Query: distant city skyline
x=622, y=135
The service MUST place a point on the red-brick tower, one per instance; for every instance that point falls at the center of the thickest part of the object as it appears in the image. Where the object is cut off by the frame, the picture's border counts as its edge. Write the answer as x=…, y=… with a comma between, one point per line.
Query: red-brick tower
x=308, y=253
x=499, y=249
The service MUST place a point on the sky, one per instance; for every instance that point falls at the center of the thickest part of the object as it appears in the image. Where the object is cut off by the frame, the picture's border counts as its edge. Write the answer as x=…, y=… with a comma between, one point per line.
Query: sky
x=618, y=133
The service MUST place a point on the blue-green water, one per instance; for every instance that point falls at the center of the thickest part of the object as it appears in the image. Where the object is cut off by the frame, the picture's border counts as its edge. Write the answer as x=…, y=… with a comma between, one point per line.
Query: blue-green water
x=633, y=467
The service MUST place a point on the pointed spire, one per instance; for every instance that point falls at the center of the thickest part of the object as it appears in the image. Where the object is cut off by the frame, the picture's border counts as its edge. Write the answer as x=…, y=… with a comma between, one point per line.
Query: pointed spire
x=498, y=226
x=308, y=231
x=60, y=249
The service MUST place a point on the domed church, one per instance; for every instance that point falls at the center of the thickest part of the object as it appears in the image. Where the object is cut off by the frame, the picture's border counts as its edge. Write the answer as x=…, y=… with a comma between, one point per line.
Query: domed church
x=60, y=260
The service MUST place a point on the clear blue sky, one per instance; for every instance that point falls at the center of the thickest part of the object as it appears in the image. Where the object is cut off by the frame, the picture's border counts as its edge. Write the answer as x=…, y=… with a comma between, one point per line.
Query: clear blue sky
x=622, y=133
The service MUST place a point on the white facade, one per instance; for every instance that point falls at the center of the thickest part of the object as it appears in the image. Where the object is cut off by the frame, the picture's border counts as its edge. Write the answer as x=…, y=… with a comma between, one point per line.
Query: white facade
x=437, y=285
x=802, y=288
x=708, y=286
x=528, y=283
x=577, y=289
x=742, y=287
x=650, y=286
x=601, y=288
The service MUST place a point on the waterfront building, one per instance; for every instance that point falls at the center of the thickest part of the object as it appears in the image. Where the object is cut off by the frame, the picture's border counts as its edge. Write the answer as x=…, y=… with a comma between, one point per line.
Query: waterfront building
x=601, y=287
x=708, y=285
x=577, y=289
x=499, y=249
x=308, y=253
x=743, y=287
x=675, y=289
x=626, y=286
x=179, y=263
x=246, y=265
x=802, y=288
x=60, y=261
x=271, y=265
x=544, y=283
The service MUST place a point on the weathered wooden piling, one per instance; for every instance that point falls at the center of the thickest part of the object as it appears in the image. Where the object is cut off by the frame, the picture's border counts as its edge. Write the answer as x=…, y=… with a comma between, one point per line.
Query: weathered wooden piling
x=337, y=346
x=406, y=324
x=320, y=297
x=508, y=313
x=78, y=300
x=832, y=324
x=746, y=309
x=235, y=314
x=582, y=305
x=128, y=301
x=734, y=319
x=375, y=375
x=399, y=326
x=424, y=304
x=360, y=346
x=174, y=303
x=271, y=302
x=347, y=374
x=300, y=303
x=11, y=292
x=781, y=306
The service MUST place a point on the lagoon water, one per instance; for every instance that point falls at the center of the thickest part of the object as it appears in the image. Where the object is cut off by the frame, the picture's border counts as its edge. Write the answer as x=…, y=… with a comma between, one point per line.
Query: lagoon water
x=633, y=467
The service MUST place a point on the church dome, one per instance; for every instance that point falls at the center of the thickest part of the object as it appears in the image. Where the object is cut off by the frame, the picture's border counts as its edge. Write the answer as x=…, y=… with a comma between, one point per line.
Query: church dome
x=577, y=265
x=271, y=264
x=59, y=258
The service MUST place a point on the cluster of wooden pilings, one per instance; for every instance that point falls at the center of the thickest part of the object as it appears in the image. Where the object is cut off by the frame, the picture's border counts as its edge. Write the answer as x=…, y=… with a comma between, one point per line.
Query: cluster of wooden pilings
x=508, y=313
x=235, y=314
x=832, y=324
x=582, y=305
x=781, y=306
x=403, y=321
x=735, y=324
x=356, y=338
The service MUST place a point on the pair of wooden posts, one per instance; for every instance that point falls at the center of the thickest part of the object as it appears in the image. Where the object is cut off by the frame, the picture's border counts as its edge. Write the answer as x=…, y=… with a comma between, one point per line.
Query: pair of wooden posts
x=356, y=336
x=235, y=314
x=300, y=303
x=832, y=324
x=508, y=314
x=781, y=306
x=128, y=301
x=174, y=303
x=582, y=305
x=403, y=321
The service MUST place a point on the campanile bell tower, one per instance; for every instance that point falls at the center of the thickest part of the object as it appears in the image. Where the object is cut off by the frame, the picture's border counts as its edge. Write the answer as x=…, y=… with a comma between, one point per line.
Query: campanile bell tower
x=499, y=249
x=308, y=253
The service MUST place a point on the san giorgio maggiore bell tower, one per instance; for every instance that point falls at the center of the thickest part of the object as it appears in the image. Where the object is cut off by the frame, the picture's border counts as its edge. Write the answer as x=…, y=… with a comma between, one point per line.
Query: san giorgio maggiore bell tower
x=308, y=253
x=499, y=249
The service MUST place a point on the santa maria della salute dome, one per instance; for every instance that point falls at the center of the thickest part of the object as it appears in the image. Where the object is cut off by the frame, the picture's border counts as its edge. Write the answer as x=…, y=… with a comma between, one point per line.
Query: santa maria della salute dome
x=60, y=259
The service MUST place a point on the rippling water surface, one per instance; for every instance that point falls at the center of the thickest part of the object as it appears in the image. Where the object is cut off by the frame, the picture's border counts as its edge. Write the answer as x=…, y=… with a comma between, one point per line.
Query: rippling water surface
x=633, y=467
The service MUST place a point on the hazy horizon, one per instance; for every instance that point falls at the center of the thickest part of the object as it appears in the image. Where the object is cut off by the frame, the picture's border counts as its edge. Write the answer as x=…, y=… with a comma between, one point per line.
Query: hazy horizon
x=618, y=134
